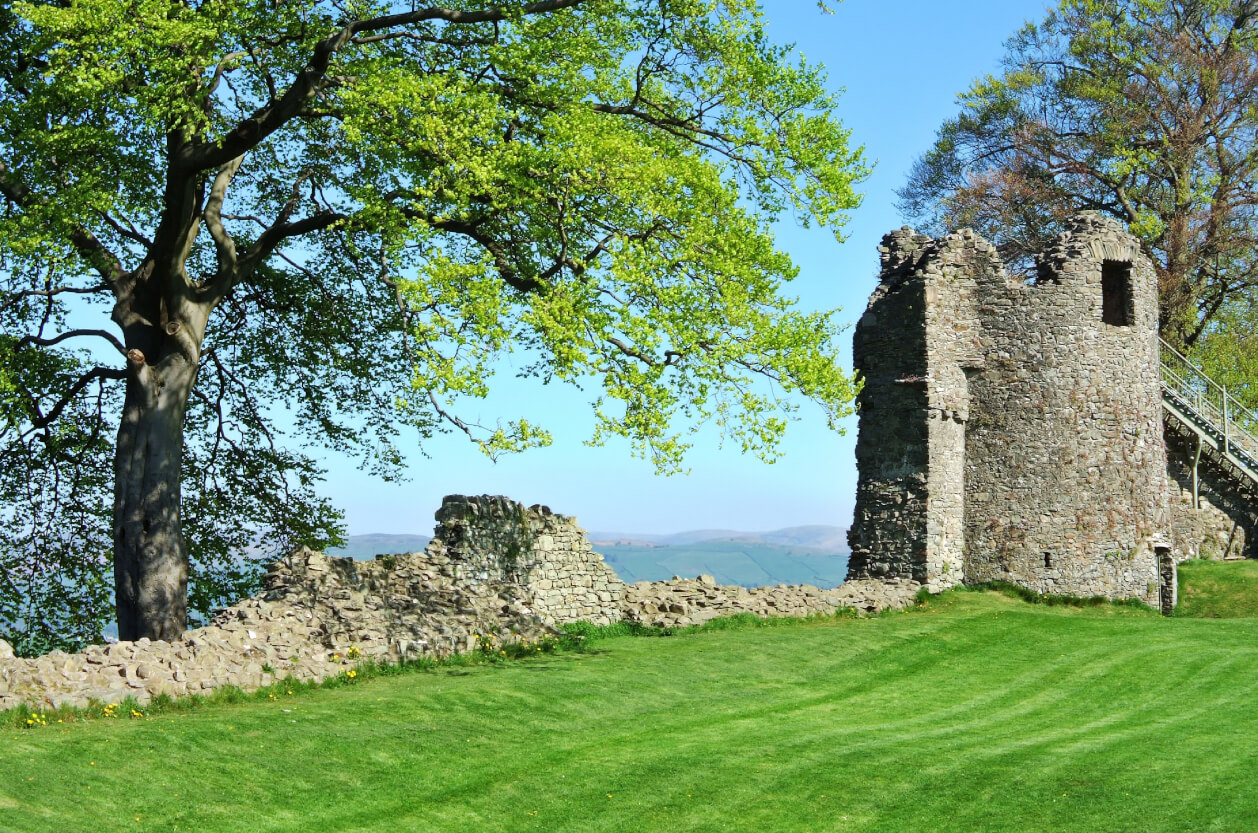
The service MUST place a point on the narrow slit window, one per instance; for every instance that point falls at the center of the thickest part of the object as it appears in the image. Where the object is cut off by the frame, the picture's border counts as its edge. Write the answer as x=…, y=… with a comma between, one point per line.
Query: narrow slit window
x=1048, y=559
x=1117, y=301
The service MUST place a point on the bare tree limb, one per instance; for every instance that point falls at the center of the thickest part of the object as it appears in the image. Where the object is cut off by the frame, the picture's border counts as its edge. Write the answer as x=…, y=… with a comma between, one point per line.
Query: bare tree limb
x=12, y=298
x=128, y=231
x=40, y=341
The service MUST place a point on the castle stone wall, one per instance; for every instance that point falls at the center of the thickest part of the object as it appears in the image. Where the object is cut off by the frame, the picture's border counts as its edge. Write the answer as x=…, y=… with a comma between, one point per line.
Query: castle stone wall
x=889, y=537
x=1044, y=463
x=494, y=568
x=547, y=555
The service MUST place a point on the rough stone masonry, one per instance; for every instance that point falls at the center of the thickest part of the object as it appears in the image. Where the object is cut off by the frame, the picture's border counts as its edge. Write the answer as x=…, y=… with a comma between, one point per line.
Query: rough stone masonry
x=494, y=568
x=1012, y=430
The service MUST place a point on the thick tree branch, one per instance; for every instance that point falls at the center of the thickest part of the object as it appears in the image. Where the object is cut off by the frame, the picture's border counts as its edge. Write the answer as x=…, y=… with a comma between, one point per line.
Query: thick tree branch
x=44, y=420
x=94, y=252
x=181, y=215
x=280, y=231
x=199, y=156
x=40, y=341
x=212, y=215
x=632, y=352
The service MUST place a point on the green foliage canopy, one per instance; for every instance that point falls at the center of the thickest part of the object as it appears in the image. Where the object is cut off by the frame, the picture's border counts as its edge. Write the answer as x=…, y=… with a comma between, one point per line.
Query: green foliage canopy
x=351, y=211
x=1145, y=110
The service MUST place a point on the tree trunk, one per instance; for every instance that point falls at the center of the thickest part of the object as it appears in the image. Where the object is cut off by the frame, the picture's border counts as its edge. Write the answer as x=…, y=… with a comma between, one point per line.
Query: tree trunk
x=150, y=556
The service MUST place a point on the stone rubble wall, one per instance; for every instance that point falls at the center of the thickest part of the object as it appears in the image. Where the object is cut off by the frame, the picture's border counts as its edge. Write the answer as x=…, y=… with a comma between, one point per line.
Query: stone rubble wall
x=317, y=617
x=492, y=568
x=681, y=602
x=494, y=538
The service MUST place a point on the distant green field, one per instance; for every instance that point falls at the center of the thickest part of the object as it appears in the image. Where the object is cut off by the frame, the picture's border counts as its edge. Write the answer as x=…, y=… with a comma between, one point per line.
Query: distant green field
x=751, y=564
x=978, y=713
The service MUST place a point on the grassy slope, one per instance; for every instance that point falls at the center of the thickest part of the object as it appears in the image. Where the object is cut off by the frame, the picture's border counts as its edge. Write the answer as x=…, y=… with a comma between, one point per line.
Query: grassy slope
x=1218, y=589
x=979, y=713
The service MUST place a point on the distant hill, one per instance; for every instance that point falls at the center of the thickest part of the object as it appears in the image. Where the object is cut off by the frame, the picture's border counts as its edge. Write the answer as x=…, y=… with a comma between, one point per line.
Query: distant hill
x=795, y=555
x=748, y=563
x=832, y=539
x=367, y=547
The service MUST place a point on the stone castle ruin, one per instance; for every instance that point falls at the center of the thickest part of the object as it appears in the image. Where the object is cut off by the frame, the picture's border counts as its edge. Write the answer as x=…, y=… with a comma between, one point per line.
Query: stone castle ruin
x=1009, y=430
x=1013, y=430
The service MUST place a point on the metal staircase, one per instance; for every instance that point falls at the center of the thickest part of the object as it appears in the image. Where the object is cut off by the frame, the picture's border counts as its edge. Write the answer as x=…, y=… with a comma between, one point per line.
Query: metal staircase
x=1204, y=408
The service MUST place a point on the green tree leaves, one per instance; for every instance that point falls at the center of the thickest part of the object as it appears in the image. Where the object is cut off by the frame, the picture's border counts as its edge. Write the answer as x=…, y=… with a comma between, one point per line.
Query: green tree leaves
x=1140, y=109
x=354, y=212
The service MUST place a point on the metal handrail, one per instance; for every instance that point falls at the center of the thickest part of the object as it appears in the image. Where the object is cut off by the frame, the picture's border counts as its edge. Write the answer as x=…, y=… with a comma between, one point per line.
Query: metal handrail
x=1211, y=403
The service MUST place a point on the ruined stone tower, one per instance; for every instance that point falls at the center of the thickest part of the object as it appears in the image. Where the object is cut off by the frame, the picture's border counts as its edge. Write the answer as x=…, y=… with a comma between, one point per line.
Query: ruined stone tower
x=1012, y=430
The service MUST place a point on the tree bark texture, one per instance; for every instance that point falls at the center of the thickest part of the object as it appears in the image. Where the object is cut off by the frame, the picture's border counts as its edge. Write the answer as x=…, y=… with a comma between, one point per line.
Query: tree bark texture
x=150, y=555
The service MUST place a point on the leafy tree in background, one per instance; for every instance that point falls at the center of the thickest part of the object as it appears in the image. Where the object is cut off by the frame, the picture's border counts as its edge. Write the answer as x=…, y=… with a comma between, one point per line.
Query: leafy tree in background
x=1145, y=110
x=348, y=212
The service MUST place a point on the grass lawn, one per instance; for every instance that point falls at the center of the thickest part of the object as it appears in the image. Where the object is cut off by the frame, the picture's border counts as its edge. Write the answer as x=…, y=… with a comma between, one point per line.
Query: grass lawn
x=1218, y=589
x=978, y=713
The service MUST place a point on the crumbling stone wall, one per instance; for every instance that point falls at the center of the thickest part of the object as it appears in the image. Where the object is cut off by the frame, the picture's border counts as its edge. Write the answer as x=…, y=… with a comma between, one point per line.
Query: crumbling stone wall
x=491, y=538
x=692, y=601
x=492, y=568
x=1040, y=405
x=889, y=538
x=318, y=616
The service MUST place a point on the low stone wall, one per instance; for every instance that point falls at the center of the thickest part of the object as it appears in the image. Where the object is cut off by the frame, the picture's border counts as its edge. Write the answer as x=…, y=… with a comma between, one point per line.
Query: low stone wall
x=693, y=601
x=316, y=619
x=493, y=567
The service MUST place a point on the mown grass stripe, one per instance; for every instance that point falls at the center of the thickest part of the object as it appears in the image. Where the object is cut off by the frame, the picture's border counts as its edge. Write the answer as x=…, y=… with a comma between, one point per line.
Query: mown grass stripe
x=975, y=714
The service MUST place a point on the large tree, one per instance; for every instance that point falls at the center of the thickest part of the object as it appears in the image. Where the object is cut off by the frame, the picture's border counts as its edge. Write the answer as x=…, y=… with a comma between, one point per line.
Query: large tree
x=349, y=211
x=1145, y=110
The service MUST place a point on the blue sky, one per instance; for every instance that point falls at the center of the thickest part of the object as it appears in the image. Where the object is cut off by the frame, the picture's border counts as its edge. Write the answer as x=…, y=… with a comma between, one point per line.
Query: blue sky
x=900, y=64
